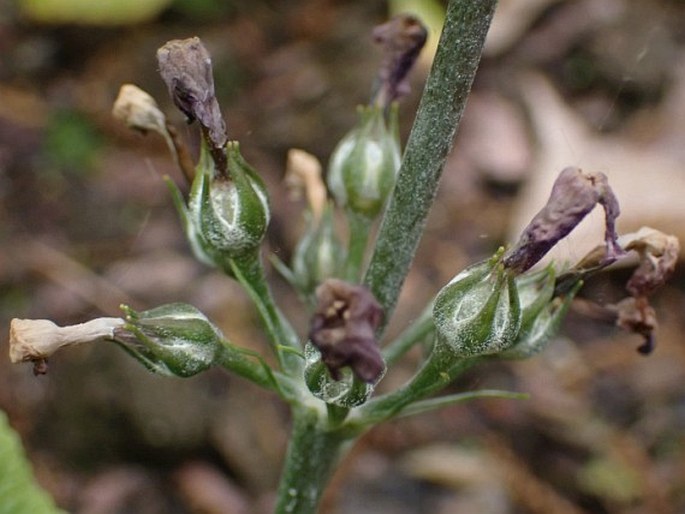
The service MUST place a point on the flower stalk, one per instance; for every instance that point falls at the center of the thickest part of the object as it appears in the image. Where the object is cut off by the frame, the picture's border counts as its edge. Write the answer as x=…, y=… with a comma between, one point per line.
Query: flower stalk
x=440, y=110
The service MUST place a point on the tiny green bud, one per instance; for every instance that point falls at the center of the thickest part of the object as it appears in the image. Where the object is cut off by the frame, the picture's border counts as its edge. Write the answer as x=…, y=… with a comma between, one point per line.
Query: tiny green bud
x=319, y=255
x=364, y=165
x=173, y=340
x=478, y=312
x=227, y=216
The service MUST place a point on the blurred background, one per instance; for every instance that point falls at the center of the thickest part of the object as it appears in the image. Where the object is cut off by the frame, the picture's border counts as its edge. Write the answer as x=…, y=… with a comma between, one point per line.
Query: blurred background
x=86, y=223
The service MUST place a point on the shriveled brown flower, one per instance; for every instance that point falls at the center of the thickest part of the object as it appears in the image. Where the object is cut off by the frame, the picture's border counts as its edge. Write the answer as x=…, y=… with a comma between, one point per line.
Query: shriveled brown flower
x=574, y=194
x=402, y=39
x=186, y=68
x=658, y=254
x=344, y=329
x=637, y=316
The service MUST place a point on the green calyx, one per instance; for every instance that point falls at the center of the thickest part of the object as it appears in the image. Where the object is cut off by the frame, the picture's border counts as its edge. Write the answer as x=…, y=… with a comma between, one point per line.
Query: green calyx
x=173, y=340
x=478, y=312
x=364, y=166
x=347, y=392
x=227, y=213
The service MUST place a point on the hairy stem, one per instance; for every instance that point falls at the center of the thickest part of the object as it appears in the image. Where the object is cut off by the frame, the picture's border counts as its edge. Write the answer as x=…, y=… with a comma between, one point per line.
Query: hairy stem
x=440, y=110
x=311, y=458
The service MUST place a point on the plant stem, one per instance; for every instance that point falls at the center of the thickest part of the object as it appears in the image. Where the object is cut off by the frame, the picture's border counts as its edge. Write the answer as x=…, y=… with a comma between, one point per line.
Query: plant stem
x=250, y=273
x=440, y=110
x=312, y=455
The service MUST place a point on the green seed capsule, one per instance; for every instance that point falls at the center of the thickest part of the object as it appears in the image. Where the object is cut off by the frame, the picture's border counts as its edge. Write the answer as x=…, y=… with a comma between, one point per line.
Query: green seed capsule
x=478, y=312
x=364, y=165
x=173, y=340
x=227, y=213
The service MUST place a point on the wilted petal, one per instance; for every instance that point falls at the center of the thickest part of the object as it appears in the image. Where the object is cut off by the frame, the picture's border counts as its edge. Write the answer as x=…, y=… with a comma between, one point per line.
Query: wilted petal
x=343, y=329
x=36, y=339
x=574, y=194
x=186, y=68
x=402, y=39
x=658, y=257
x=303, y=174
x=138, y=110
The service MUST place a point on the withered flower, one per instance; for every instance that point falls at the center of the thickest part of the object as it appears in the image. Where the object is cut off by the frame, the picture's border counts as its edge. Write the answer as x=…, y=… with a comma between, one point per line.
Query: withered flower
x=303, y=175
x=186, y=68
x=402, y=39
x=138, y=110
x=658, y=253
x=638, y=316
x=34, y=340
x=343, y=329
x=574, y=194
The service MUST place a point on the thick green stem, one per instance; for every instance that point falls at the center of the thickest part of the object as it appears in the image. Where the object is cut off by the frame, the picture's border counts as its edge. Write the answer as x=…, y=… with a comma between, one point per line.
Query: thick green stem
x=313, y=452
x=286, y=345
x=440, y=110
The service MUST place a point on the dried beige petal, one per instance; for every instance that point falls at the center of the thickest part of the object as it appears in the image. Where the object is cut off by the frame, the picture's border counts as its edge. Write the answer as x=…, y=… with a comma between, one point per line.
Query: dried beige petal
x=303, y=174
x=658, y=257
x=138, y=110
x=37, y=339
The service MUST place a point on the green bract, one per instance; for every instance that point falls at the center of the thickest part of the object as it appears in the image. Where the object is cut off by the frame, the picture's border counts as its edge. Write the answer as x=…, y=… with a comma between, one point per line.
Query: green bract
x=363, y=167
x=174, y=339
x=478, y=312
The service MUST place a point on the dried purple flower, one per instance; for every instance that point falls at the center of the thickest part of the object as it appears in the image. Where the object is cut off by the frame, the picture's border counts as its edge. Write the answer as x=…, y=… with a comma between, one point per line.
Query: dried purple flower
x=402, y=39
x=344, y=329
x=186, y=68
x=574, y=194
